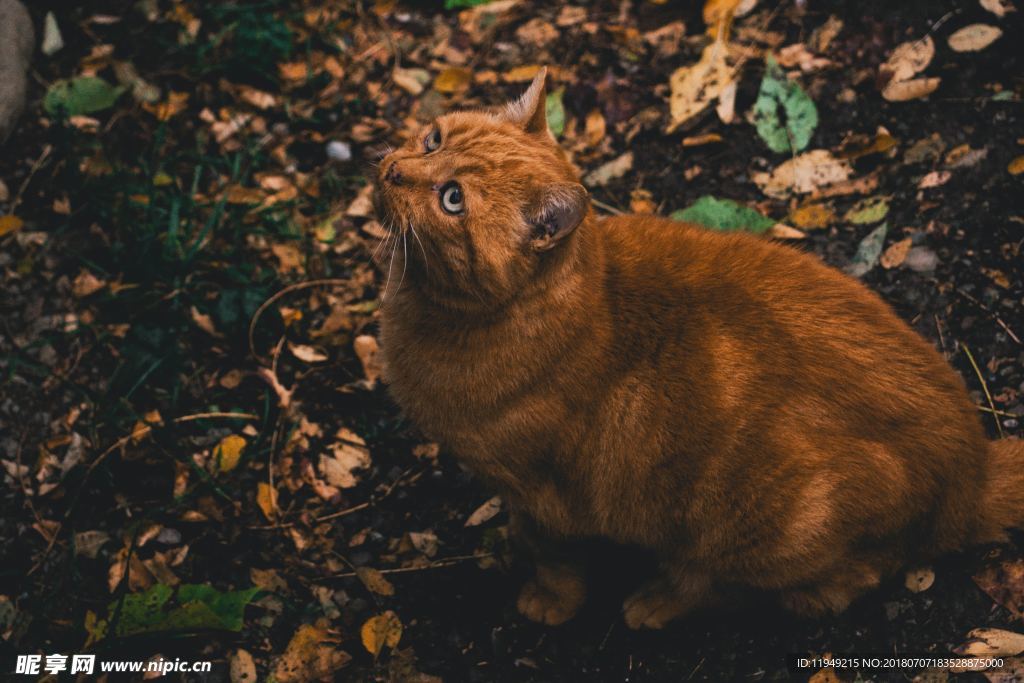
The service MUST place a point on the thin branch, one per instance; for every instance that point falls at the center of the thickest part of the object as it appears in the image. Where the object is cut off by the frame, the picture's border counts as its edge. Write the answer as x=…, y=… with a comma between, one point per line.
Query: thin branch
x=984, y=385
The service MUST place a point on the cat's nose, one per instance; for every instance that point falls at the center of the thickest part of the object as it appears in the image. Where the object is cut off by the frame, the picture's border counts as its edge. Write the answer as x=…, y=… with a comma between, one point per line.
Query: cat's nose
x=393, y=175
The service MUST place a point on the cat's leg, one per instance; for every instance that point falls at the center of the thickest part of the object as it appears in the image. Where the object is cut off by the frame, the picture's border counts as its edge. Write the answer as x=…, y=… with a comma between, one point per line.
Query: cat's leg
x=558, y=589
x=833, y=592
x=675, y=592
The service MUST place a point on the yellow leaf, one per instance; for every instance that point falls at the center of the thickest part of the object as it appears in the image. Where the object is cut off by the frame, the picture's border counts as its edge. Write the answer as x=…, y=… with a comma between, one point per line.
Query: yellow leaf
x=375, y=581
x=812, y=216
x=164, y=111
x=521, y=74
x=452, y=80
x=229, y=452
x=266, y=498
x=383, y=629
x=310, y=655
x=9, y=223
x=719, y=13
x=893, y=257
x=1016, y=167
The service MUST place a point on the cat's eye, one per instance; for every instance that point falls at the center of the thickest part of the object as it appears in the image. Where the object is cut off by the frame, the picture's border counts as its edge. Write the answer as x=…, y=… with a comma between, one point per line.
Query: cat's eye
x=452, y=200
x=433, y=140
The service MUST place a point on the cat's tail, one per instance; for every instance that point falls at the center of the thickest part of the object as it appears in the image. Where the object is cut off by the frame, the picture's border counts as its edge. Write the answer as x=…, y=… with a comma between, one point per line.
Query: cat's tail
x=1002, y=507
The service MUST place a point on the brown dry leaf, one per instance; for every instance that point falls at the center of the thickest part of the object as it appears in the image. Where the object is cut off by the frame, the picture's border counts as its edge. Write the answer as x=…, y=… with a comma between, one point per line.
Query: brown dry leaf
x=375, y=581
x=1004, y=583
x=642, y=201
x=909, y=58
x=452, y=80
x=570, y=15
x=204, y=322
x=825, y=676
x=1015, y=167
x=797, y=55
x=991, y=642
x=293, y=71
x=974, y=37
x=368, y=353
x=919, y=580
x=239, y=194
x=424, y=541
x=485, y=512
x=241, y=667
x=719, y=13
x=522, y=74
x=306, y=353
x=412, y=81
x=595, y=128
x=537, y=33
x=695, y=87
x=310, y=655
x=997, y=276
x=338, y=468
x=997, y=7
x=934, y=179
x=781, y=231
x=812, y=216
x=362, y=205
x=893, y=257
x=9, y=224
x=175, y=103
x=1012, y=671
x=268, y=580
x=228, y=452
x=266, y=498
x=289, y=258
x=257, y=98
x=86, y=284
x=803, y=174
x=903, y=91
x=608, y=171
x=823, y=36
x=383, y=629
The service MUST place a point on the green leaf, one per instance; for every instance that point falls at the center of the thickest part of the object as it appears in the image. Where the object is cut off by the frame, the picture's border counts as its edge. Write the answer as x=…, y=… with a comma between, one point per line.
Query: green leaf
x=868, y=211
x=459, y=4
x=555, y=112
x=791, y=129
x=195, y=607
x=868, y=252
x=83, y=95
x=723, y=214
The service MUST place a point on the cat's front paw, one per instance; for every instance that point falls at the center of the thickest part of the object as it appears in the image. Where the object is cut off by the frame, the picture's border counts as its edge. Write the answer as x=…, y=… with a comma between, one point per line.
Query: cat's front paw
x=541, y=604
x=657, y=603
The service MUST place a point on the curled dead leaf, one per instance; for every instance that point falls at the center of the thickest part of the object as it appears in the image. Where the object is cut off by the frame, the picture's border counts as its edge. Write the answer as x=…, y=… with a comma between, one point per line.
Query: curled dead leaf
x=974, y=37
x=902, y=91
x=910, y=58
x=991, y=642
x=485, y=512
x=368, y=353
x=695, y=87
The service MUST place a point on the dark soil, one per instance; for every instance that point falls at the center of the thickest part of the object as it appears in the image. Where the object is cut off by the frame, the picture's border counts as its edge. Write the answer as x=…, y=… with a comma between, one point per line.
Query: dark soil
x=138, y=349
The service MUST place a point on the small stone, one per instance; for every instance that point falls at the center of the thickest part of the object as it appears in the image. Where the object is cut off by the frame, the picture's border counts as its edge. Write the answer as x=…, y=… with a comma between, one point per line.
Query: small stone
x=339, y=151
x=921, y=260
x=17, y=42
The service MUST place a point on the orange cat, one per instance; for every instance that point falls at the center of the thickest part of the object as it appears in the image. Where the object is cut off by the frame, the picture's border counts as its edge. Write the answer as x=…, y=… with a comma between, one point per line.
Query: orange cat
x=747, y=413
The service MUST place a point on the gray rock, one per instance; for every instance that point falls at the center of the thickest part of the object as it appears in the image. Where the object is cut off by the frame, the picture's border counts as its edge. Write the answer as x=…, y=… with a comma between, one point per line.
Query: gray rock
x=17, y=41
x=921, y=259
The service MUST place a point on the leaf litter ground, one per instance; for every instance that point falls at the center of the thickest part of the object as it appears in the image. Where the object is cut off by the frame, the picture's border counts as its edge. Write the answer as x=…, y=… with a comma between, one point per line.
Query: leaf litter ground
x=154, y=240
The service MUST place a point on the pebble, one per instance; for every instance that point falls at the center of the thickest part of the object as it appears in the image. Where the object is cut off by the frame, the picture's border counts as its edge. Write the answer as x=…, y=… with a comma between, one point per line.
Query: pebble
x=339, y=151
x=921, y=259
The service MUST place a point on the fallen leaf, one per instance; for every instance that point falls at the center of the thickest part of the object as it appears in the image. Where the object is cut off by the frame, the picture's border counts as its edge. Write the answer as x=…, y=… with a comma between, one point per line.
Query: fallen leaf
x=362, y=205
x=9, y=224
x=310, y=655
x=608, y=171
x=175, y=103
x=867, y=211
x=424, y=541
x=306, y=353
x=781, y=231
x=413, y=81
x=289, y=258
x=919, y=580
x=485, y=512
x=375, y=581
x=452, y=80
x=1012, y=671
x=266, y=498
x=555, y=112
x=784, y=115
x=798, y=55
x=241, y=667
x=997, y=7
x=88, y=543
x=228, y=452
x=974, y=37
x=895, y=255
x=536, y=33
x=723, y=214
x=902, y=91
x=339, y=466
x=934, y=179
x=909, y=58
x=695, y=87
x=570, y=15
x=383, y=629
x=594, y=128
x=812, y=216
x=204, y=322
x=991, y=642
x=868, y=252
x=803, y=174
x=368, y=353
x=82, y=95
x=86, y=284
x=1015, y=167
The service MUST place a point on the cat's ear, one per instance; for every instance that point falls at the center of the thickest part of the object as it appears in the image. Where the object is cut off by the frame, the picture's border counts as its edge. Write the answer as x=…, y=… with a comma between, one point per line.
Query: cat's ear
x=555, y=213
x=528, y=111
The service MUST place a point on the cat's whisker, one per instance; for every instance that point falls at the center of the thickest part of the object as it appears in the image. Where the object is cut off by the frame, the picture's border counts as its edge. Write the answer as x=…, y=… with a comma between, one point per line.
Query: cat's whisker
x=391, y=266
x=405, y=260
x=426, y=265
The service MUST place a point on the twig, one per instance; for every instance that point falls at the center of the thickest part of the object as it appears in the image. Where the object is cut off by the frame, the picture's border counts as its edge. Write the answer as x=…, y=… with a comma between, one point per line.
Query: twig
x=1001, y=413
x=987, y=310
x=31, y=174
x=436, y=564
x=287, y=290
x=984, y=385
x=607, y=207
x=362, y=506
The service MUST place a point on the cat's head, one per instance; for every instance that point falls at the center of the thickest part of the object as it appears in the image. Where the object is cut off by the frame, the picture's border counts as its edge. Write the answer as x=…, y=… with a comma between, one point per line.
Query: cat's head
x=483, y=202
